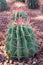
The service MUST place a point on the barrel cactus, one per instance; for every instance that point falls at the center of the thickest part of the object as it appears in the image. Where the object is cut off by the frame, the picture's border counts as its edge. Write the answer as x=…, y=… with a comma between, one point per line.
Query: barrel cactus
x=33, y=4
x=20, y=14
x=3, y=5
x=21, y=41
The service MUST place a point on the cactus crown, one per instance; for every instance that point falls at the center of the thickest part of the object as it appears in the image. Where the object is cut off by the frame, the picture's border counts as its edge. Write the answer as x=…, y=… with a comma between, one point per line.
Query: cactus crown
x=21, y=41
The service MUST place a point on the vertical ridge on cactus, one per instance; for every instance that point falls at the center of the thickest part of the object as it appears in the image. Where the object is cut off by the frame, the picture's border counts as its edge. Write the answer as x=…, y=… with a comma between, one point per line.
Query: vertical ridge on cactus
x=21, y=42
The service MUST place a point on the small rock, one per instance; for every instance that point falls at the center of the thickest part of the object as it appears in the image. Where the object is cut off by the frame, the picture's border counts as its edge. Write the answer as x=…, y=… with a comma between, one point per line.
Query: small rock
x=5, y=63
x=34, y=63
x=2, y=58
x=10, y=61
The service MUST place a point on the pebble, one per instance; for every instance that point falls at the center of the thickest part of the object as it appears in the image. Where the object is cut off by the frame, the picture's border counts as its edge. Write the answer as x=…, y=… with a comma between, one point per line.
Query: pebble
x=34, y=63
x=5, y=63
x=2, y=58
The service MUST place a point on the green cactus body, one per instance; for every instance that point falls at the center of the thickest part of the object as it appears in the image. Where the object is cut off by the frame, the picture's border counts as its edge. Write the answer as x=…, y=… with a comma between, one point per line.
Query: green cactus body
x=20, y=0
x=3, y=5
x=20, y=14
x=21, y=42
x=33, y=4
